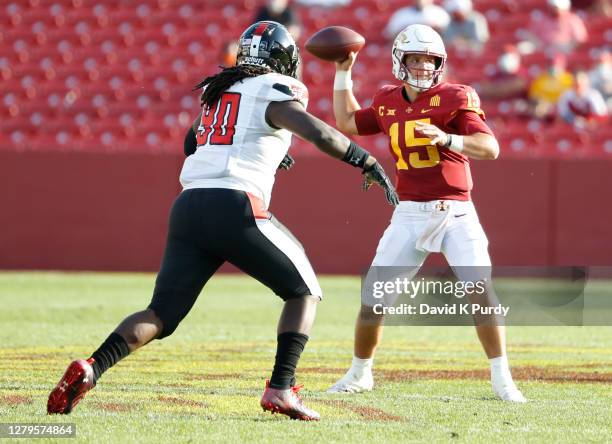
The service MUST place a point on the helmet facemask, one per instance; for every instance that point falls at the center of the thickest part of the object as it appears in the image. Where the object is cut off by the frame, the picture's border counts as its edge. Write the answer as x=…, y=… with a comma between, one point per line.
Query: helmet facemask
x=420, y=77
x=284, y=60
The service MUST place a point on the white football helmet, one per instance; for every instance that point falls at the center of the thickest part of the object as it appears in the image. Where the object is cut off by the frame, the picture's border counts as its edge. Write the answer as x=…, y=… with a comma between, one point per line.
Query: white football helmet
x=418, y=39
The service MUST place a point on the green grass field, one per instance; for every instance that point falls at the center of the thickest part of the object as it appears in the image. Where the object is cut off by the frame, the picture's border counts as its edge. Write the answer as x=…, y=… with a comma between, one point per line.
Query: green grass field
x=203, y=383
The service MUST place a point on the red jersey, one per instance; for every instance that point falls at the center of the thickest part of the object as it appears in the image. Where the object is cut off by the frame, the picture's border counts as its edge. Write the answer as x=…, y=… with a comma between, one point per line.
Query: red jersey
x=426, y=172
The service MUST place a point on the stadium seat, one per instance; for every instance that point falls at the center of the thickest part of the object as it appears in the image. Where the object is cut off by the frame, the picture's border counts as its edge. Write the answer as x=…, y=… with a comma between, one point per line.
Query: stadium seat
x=137, y=62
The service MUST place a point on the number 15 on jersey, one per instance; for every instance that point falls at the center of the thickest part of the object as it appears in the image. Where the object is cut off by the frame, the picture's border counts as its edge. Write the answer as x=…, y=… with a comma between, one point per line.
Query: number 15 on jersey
x=411, y=141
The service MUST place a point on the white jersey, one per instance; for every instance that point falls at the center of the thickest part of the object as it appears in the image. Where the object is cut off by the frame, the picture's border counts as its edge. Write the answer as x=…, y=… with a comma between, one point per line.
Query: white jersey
x=237, y=148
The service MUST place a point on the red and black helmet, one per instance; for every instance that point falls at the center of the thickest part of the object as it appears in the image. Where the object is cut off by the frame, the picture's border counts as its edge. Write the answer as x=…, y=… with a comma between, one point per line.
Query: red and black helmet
x=269, y=44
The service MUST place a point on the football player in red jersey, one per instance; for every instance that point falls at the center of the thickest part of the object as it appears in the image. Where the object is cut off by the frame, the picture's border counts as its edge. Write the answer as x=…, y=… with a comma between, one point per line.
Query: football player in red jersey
x=434, y=128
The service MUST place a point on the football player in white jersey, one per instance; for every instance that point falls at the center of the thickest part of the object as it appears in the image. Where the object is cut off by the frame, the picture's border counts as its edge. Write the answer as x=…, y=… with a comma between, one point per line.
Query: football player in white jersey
x=236, y=145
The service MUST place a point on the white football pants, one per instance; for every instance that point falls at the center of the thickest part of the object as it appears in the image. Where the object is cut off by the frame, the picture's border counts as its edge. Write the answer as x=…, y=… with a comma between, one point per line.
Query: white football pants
x=450, y=227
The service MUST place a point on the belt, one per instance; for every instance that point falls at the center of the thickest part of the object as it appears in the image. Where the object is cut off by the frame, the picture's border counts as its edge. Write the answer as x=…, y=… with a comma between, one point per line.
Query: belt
x=434, y=205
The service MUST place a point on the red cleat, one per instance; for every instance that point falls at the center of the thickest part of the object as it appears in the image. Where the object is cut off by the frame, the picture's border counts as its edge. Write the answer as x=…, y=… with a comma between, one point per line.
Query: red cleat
x=78, y=380
x=287, y=402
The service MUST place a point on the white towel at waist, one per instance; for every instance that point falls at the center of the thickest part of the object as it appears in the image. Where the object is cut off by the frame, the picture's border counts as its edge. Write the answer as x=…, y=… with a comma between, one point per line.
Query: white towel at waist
x=433, y=234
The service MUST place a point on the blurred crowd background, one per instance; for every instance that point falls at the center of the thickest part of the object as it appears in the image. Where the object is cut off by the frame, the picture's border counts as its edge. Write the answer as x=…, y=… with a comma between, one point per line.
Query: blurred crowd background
x=117, y=75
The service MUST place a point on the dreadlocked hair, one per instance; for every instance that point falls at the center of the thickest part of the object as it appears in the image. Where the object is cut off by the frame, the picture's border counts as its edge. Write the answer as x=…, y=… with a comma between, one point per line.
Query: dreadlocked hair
x=217, y=84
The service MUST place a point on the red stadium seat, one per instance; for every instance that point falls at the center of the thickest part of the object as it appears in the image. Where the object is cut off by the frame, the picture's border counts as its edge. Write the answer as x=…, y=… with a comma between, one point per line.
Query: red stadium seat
x=97, y=75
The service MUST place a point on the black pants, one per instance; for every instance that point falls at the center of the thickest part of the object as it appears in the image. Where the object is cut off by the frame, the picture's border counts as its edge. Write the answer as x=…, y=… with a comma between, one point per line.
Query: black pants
x=209, y=226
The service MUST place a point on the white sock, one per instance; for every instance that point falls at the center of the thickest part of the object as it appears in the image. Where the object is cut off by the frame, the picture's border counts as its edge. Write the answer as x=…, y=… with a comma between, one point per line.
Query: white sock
x=362, y=364
x=500, y=370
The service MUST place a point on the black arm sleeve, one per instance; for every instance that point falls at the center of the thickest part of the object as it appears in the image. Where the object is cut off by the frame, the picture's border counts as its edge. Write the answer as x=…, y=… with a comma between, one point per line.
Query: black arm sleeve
x=190, y=144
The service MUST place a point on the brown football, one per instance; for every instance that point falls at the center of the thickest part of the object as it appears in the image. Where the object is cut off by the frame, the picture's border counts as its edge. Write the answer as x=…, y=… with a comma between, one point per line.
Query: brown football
x=334, y=43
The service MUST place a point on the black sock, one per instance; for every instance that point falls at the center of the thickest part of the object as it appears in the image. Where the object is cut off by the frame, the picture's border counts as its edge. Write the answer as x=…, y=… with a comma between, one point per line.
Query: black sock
x=110, y=352
x=288, y=350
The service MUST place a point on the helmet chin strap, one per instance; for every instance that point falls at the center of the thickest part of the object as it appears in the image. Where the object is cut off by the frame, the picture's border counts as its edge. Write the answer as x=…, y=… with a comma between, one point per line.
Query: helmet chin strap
x=414, y=83
x=419, y=88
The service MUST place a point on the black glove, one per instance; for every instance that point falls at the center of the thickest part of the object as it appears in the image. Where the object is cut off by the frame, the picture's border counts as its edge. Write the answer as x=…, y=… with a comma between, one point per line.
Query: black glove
x=376, y=173
x=286, y=163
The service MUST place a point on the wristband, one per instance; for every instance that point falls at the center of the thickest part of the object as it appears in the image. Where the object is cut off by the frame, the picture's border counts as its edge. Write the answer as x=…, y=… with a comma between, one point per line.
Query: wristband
x=343, y=81
x=355, y=155
x=455, y=143
x=448, y=141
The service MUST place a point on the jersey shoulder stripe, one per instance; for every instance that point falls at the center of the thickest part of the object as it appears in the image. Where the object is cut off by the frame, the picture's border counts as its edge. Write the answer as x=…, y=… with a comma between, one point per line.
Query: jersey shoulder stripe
x=274, y=87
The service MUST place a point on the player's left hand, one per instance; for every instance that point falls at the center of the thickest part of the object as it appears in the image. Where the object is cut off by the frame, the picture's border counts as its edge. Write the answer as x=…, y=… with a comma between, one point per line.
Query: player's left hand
x=437, y=136
x=286, y=163
x=376, y=174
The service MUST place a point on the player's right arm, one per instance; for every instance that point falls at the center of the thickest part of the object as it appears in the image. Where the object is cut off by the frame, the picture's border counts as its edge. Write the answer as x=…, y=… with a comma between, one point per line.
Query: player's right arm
x=292, y=116
x=345, y=103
